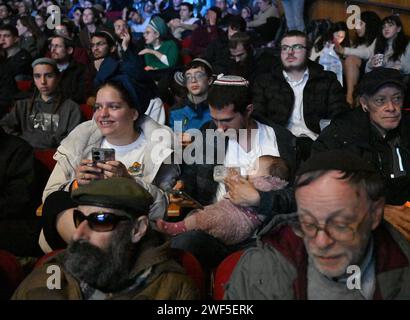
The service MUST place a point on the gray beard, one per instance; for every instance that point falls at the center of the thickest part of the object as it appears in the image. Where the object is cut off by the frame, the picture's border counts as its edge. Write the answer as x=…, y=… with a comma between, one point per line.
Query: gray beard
x=107, y=270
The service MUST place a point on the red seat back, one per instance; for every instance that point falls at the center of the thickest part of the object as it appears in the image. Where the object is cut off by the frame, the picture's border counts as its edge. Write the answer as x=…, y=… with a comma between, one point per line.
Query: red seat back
x=46, y=157
x=193, y=269
x=223, y=274
x=24, y=85
x=87, y=111
x=11, y=274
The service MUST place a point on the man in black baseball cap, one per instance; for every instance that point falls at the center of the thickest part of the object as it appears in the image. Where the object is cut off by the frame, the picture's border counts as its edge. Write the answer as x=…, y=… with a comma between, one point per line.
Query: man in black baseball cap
x=114, y=254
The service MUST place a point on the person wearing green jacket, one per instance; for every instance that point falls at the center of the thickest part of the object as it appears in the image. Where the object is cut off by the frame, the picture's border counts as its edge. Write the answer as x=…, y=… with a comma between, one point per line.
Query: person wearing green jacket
x=159, y=53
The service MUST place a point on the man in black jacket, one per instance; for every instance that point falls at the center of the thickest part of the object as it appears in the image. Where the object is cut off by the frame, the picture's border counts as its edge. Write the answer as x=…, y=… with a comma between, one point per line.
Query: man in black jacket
x=244, y=139
x=380, y=133
x=75, y=83
x=19, y=228
x=298, y=94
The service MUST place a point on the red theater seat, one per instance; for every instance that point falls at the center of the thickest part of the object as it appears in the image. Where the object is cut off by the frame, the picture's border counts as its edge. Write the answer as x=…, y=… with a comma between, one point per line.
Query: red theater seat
x=46, y=157
x=24, y=85
x=223, y=274
x=87, y=111
x=11, y=274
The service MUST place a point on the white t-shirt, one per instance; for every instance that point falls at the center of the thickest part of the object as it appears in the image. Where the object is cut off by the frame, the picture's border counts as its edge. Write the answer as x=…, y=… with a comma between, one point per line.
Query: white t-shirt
x=264, y=143
x=130, y=153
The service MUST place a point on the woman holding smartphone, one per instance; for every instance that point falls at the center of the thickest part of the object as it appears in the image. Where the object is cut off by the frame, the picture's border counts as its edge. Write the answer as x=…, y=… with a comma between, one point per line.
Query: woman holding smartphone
x=141, y=146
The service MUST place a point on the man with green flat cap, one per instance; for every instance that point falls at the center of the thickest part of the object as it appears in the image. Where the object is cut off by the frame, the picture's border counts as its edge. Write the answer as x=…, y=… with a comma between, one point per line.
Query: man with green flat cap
x=114, y=254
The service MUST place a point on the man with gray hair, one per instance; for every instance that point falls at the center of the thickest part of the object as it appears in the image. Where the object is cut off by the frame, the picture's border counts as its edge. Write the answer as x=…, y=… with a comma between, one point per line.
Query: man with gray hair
x=337, y=247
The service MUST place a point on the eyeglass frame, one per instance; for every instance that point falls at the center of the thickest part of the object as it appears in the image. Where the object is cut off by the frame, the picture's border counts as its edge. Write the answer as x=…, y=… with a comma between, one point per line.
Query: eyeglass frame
x=297, y=228
x=296, y=48
x=93, y=221
x=197, y=76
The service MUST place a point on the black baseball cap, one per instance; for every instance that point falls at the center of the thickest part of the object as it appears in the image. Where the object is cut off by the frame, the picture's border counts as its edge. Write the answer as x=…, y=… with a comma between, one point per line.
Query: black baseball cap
x=372, y=81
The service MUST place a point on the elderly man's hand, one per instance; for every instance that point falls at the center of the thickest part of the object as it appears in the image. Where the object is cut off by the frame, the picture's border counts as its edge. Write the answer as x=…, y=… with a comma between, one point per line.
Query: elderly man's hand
x=399, y=217
x=242, y=192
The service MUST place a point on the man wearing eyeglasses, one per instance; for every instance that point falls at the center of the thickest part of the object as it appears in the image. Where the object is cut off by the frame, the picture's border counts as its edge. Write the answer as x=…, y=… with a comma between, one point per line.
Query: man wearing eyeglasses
x=194, y=111
x=337, y=248
x=114, y=254
x=379, y=131
x=298, y=94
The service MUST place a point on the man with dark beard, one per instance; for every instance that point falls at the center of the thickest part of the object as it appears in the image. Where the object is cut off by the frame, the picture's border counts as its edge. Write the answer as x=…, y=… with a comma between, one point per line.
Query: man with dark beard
x=298, y=94
x=113, y=254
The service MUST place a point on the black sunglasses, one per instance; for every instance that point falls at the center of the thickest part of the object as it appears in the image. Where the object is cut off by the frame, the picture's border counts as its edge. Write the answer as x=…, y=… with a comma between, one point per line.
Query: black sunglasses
x=98, y=221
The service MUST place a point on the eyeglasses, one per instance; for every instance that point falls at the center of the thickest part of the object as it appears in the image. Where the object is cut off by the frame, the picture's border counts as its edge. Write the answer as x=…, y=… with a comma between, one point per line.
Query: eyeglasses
x=196, y=76
x=295, y=47
x=336, y=231
x=98, y=221
x=98, y=44
x=56, y=46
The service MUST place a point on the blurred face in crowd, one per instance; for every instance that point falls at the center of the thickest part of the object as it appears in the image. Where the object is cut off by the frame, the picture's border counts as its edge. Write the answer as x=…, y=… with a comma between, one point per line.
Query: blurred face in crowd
x=384, y=107
x=184, y=13
x=239, y=53
x=114, y=117
x=7, y=40
x=346, y=218
x=58, y=50
x=104, y=259
x=245, y=14
x=293, y=58
x=99, y=47
x=45, y=79
x=62, y=30
x=231, y=32
x=135, y=17
x=40, y=22
x=177, y=3
x=88, y=17
x=228, y=118
x=120, y=27
x=77, y=16
x=88, y=4
x=4, y=12
x=197, y=81
x=21, y=8
x=21, y=28
x=390, y=30
x=339, y=36
x=150, y=35
x=149, y=7
x=221, y=4
x=263, y=5
x=362, y=29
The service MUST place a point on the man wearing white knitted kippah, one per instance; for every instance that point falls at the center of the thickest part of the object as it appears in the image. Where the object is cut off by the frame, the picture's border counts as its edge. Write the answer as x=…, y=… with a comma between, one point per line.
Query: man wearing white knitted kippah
x=239, y=140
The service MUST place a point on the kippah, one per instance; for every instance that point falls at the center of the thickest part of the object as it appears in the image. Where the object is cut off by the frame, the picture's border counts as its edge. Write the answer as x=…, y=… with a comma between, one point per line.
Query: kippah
x=204, y=62
x=98, y=33
x=179, y=78
x=223, y=80
x=44, y=61
x=342, y=160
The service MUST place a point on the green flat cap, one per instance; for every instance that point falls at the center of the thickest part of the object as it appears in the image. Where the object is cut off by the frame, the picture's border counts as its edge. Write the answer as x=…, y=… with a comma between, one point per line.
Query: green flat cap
x=116, y=193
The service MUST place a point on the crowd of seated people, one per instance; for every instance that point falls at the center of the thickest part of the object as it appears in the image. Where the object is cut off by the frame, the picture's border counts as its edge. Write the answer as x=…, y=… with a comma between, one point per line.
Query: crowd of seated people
x=175, y=126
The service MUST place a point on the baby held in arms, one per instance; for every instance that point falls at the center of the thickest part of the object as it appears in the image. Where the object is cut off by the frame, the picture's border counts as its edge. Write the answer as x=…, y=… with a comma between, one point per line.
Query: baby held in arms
x=226, y=221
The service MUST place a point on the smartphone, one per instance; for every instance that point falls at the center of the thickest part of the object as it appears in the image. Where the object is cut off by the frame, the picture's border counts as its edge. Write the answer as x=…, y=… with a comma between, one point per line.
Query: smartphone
x=185, y=196
x=102, y=155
